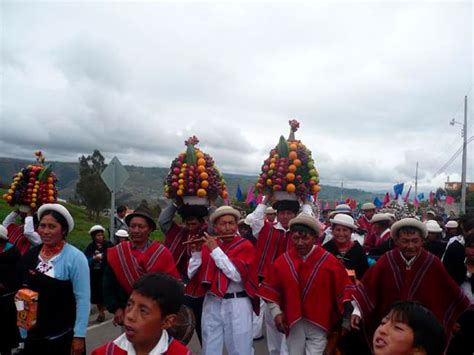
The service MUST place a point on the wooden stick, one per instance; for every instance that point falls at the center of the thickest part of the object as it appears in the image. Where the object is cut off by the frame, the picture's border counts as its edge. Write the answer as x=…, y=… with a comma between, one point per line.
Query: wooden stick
x=203, y=239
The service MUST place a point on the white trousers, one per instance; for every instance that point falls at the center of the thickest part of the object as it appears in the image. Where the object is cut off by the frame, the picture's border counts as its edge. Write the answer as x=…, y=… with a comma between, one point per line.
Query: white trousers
x=275, y=339
x=257, y=321
x=306, y=338
x=229, y=322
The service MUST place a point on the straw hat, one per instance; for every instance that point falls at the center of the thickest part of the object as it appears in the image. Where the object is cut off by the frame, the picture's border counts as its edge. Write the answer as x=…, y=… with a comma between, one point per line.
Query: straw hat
x=223, y=211
x=433, y=227
x=452, y=224
x=381, y=217
x=59, y=209
x=368, y=206
x=307, y=221
x=121, y=233
x=343, y=220
x=409, y=222
x=342, y=208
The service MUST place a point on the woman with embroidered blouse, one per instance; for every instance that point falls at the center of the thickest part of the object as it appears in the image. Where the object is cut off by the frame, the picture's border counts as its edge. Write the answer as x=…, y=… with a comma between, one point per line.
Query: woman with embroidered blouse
x=59, y=273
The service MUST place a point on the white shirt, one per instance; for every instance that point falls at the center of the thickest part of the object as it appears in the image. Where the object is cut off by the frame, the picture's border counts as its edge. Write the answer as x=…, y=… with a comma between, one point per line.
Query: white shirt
x=28, y=228
x=160, y=348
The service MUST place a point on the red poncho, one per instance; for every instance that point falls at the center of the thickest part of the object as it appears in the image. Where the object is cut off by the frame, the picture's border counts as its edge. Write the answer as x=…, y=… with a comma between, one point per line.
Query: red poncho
x=271, y=243
x=426, y=282
x=314, y=289
x=130, y=264
x=17, y=238
x=174, y=348
x=210, y=278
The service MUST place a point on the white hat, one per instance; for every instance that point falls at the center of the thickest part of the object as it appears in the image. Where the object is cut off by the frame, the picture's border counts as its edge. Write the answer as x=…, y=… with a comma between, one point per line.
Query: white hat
x=222, y=211
x=121, y=233
x=342, y=208
x=452, y=224
x=96, y=228
x=433, y=213
x=270, y=210
x=381, y=217
x=3, y=233
x=59, y=209
x=306, y=220
x=368, y=206
x=409, y=222
x=433, y=227
x=343, y=220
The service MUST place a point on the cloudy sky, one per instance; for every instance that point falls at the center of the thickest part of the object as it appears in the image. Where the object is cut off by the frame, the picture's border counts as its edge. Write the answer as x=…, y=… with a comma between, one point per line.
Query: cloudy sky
x=373, y=84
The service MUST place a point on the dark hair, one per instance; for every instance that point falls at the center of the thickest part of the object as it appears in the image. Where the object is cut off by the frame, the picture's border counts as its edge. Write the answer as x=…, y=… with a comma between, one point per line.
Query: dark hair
x=94, y=233
x=467, y=225
x=121, y=209
x=190, y=218
x=59, y=218
x=383, y=224
x=301, y=228
x=410, y=230
x=287, y=205
x=428, y=332
x=469, y=241
x=167, y=291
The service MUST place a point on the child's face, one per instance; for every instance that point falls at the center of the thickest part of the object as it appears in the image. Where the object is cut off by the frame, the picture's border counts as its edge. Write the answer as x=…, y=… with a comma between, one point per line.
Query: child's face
x=393, y=337
x=144, y=321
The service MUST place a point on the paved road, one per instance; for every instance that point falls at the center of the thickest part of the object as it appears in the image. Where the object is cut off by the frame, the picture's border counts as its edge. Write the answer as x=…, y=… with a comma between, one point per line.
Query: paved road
x=98, y=334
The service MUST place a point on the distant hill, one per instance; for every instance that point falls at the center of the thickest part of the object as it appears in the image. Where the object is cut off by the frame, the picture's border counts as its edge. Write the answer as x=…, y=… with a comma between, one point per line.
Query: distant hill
x=147, y=183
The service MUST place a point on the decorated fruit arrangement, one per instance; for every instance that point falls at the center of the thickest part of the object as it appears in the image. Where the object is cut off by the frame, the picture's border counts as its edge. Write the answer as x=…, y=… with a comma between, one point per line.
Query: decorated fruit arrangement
x=289, y=168
x=193, y=173
x=33, y=186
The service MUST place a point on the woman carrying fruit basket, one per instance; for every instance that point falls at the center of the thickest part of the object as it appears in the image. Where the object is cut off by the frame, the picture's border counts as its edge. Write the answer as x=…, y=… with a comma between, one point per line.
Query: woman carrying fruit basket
x=59, y=273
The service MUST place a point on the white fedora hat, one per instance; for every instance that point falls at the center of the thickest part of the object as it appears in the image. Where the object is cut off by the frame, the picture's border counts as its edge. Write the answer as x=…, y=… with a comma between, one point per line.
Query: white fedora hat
x=343, y=220
x=59, y=209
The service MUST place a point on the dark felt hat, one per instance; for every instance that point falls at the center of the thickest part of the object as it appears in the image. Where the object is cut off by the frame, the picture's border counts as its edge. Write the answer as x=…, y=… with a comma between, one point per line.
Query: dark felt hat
x=142, y=211
x=198, y=211
x=287, y=205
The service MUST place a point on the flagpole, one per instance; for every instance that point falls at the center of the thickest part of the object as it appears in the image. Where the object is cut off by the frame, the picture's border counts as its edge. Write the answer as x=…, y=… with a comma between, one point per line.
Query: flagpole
x=342, y=187
x=416, y=180
x=464, y=160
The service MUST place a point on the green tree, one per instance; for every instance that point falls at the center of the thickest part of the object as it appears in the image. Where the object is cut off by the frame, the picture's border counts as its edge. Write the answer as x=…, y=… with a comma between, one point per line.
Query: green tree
x=92, y=191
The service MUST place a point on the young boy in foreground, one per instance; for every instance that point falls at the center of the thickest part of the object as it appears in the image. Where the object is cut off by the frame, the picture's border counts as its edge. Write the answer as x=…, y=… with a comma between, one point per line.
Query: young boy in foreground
x=151, y=309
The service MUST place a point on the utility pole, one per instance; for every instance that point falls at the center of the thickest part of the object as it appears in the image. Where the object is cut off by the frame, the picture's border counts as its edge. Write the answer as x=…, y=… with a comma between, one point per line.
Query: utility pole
x=416, y=181
x=464, y=160
x=342, y=187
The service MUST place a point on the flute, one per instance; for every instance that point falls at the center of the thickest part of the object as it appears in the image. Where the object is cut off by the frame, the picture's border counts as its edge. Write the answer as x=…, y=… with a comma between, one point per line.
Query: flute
x=203, y=239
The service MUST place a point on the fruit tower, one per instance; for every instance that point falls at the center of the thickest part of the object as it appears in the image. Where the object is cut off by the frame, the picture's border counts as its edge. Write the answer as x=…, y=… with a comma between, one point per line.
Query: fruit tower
x=289, y=168
x=33, y=186
x=193, y=173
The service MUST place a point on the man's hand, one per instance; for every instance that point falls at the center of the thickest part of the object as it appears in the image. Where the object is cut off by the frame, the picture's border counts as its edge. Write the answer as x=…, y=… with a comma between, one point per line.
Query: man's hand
x=211, y=242
x=118, y=317
x=78, y=346
x=197, y=246
x=355, y=320
x=281, y=324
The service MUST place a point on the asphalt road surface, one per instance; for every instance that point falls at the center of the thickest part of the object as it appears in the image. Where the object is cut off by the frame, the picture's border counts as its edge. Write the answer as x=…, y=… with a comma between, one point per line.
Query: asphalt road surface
x=100, y=333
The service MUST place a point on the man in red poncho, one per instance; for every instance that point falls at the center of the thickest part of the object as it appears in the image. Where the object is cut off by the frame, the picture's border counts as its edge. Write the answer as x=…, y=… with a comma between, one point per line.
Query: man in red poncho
x=23, y=236
x=221, y=271
x=364, y=222
x=309, y=290
x=128, y=261
x=407, y=272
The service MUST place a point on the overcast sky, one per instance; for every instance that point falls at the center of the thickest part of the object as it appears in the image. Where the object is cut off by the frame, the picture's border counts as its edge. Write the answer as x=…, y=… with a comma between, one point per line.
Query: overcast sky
x=373, y=84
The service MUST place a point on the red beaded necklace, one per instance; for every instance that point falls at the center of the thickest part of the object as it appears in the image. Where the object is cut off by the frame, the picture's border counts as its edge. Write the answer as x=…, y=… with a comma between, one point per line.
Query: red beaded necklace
x=48, y=252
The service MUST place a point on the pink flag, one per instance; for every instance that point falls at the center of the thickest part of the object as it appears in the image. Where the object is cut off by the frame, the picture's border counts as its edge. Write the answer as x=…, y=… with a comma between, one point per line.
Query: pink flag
x=353, y=204
x=416, y=203
x=449, y=200
x=407, y=196
x=259, y=198
x=250, y=195
x=431, y=198
x=386, y=200
x=326, y=205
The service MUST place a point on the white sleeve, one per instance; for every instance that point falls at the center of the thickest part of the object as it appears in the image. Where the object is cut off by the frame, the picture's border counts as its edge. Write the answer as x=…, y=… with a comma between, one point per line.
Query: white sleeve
x=10, y=219
x=194, y=263
x=306, y=209
x=223, y=263
x=356, y=311
x=274, y=309
x=258, y=218
x=29, y=231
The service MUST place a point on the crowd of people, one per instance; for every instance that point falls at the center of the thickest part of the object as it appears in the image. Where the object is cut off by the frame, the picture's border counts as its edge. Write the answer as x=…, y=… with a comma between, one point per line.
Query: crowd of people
x=318, y=282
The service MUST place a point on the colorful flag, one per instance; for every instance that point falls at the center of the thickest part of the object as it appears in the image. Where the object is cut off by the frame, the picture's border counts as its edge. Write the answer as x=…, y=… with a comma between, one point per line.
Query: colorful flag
x=378, y=203
x=239, y=195
x=449, y=200
x=398, y=189
x=259, y=198
x=353, y=204
x=407, y=196
x=386, y=199
x=416, y=203
x=432, y=195
x=250, y=195
x=421, y=196
x=326, y=205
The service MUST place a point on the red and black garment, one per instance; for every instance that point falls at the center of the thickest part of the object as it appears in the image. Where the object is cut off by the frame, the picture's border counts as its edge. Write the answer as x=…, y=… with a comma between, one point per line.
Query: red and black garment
x=174, y=348
x=17, y=238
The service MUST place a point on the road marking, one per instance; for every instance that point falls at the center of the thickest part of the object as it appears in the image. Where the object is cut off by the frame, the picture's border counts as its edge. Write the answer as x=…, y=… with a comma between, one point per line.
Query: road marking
x=100, y=324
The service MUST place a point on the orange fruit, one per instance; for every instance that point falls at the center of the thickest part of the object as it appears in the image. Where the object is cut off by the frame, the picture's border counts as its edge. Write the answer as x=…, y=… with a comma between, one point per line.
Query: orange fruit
x=32, y=205
x=199, y=155
x=204, y=176
x=201, y=193
x=201, y=168
x=179, y=192
x=315, y=189
x=293, y=146
x=290, y=176
x=297, y=162
x=292, y=168
x=269, y=182
x=293, y=155
x=201, y=161
x=290, y=188
x=204, y=183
